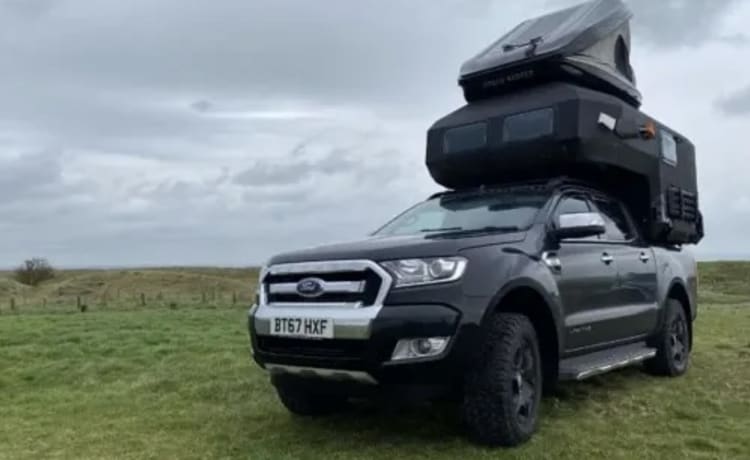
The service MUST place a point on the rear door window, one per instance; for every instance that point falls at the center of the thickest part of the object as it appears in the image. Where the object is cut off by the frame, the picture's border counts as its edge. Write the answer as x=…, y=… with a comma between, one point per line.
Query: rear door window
x=616, y=221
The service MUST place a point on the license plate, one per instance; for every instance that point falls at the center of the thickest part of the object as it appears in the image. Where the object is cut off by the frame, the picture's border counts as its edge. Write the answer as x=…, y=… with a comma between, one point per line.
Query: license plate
x=314, y=328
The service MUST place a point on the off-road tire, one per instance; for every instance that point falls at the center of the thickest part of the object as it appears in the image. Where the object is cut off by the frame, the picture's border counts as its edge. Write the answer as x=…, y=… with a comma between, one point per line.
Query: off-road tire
x=673, y=343
x=304, y=403
x=492, y=407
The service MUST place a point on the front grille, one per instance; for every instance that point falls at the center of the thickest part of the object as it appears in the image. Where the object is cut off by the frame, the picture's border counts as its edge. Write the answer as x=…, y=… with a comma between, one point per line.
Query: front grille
x=337, y=349
x=281, y=287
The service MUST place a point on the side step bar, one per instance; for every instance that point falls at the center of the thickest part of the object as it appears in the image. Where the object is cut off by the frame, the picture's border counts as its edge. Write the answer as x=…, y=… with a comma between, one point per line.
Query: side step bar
x=585, y=366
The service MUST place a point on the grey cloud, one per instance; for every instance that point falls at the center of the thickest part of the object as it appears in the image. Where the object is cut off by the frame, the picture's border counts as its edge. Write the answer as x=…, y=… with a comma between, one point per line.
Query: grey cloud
x=305, y=160
x=30, y=178
x=292, y=172
x=167, y=131
x=343, y=53
x=29, y=9
x=677, y=23
x=736, y=104
x=266, y=173
x=735, y=39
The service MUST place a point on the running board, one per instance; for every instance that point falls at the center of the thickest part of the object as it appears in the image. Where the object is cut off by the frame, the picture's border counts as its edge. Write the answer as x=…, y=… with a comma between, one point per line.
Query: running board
x=583, y=367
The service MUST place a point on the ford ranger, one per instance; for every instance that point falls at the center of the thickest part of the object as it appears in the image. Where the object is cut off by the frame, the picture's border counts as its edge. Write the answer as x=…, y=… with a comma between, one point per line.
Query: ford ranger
x=492, y=294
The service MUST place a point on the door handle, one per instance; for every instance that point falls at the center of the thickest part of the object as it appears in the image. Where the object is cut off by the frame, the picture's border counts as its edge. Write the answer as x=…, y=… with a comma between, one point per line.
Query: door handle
x=644, y=257
x=607, y=259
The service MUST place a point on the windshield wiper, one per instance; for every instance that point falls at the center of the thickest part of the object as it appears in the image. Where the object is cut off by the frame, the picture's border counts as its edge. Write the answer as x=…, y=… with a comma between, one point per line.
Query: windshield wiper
x=488, y=229
x=443, y=229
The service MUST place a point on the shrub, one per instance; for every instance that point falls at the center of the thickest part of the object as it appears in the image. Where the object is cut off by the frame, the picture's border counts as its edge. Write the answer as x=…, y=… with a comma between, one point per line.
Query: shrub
x=34, y=271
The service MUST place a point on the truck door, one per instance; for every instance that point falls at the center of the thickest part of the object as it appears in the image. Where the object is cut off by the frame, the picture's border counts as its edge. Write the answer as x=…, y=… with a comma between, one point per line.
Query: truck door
x=635, y=307
x=586, y=274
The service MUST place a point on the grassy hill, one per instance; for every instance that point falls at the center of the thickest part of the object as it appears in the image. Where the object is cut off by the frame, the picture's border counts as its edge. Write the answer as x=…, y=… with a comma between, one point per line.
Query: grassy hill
x=720, y=283
x=724, y=282
x=132, y=381
x=127, y=381
x=131, y=288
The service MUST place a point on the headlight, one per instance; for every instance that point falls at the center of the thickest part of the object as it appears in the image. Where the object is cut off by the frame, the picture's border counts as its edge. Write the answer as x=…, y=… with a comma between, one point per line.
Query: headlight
x=416, y=272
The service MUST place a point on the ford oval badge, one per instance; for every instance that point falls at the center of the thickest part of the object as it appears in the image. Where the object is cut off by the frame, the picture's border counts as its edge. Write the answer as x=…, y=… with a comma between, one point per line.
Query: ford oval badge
x=310, y=287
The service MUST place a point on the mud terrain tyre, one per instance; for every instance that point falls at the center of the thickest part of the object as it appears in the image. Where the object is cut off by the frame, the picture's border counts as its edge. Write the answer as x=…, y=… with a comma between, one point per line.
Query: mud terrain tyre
x=503, y=393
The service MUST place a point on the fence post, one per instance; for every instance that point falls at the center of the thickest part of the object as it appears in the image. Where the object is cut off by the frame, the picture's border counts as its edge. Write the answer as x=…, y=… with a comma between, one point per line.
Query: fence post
x=13, y=304
x=203, y=297
x=78, y=302
x=143, y=299
x=234, y=298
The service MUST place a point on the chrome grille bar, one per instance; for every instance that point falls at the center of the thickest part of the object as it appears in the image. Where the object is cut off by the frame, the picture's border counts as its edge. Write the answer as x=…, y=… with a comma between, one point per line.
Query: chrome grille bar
x=328, y=287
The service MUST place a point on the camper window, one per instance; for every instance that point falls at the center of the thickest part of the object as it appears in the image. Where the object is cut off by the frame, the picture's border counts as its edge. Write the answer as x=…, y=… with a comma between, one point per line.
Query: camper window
x=668, y=147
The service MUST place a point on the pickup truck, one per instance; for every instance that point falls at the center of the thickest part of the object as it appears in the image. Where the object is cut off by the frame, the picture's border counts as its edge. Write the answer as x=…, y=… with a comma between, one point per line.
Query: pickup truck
x=490, y=295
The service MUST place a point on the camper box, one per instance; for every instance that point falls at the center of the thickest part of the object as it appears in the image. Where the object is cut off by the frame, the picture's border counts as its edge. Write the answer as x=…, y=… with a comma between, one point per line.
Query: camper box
x=588, y=45
x=560, y=129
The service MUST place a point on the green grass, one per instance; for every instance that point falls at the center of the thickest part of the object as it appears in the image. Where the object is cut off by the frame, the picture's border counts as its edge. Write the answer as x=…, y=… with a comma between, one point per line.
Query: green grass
x=163, y=384
x=160, y=383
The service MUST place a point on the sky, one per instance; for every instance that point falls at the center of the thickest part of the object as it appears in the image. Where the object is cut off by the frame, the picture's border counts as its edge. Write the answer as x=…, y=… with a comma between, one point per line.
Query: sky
x=196, y=132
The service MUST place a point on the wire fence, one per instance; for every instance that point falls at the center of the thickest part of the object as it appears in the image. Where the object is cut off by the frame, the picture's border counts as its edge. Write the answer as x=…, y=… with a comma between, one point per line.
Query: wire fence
x=125, y=300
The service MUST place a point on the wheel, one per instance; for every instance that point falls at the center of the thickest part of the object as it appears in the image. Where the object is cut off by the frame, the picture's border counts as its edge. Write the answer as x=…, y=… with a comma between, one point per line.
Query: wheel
x=301, y=402
x=672, y=344
x=502, y=394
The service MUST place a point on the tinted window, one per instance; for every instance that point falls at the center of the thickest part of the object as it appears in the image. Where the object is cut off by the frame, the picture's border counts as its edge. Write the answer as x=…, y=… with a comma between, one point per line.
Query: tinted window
x=529, y=125
x=469, y=211
x=668, y=147
x=618, y=227
x=572, y=205
x=465, y=138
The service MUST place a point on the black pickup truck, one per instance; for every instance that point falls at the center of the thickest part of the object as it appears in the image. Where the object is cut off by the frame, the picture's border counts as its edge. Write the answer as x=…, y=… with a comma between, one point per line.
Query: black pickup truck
x=491, y=294
x=556, y=252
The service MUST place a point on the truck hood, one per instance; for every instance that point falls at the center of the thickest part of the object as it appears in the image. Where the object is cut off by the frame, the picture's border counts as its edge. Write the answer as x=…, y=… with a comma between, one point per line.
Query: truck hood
x=379, y=248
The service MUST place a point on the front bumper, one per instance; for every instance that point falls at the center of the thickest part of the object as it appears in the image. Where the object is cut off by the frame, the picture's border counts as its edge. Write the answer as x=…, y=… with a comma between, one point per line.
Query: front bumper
x=364, y=340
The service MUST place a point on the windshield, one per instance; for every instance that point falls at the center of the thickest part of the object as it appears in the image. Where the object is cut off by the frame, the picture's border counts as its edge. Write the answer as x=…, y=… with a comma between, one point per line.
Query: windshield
x=467, y=212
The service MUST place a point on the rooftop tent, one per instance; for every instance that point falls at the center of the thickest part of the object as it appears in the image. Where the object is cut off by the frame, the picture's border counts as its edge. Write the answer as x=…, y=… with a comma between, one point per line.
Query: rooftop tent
x=588, y=44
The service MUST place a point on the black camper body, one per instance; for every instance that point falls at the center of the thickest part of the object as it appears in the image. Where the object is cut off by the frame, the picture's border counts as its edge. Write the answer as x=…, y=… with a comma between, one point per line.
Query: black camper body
x=588, y=45
x=560, y=129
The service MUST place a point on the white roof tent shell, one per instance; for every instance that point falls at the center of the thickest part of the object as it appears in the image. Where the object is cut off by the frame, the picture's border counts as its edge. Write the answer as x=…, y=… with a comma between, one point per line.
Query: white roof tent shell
x=588, y=44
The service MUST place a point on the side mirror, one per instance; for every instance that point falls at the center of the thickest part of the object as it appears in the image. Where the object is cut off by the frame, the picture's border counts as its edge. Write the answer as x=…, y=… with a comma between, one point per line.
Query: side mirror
x=580, y=225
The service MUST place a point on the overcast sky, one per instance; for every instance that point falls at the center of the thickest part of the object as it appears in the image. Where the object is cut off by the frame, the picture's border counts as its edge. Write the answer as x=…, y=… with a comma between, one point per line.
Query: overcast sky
x=153, y=132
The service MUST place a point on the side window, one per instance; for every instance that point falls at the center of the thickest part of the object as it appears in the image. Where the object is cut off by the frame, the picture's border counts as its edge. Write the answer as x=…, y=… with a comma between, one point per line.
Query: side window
x=668, y=148
x=618, y=226
x=572, y=204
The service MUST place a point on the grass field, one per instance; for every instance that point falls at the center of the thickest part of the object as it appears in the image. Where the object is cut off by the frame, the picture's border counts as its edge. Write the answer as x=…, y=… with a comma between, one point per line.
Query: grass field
x=126, y=381
x=104, y=290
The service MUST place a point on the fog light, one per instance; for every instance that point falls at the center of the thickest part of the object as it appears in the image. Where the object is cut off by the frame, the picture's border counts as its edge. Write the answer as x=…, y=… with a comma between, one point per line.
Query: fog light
x=419, y=348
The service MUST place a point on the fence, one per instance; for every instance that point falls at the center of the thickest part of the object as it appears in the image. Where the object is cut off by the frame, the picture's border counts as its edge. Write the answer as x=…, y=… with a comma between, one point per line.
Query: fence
x=121, y=299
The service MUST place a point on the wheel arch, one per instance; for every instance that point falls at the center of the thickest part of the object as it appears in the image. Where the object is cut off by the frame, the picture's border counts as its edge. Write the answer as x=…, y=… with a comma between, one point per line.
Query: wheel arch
x=531, y=299
x=677, y=291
